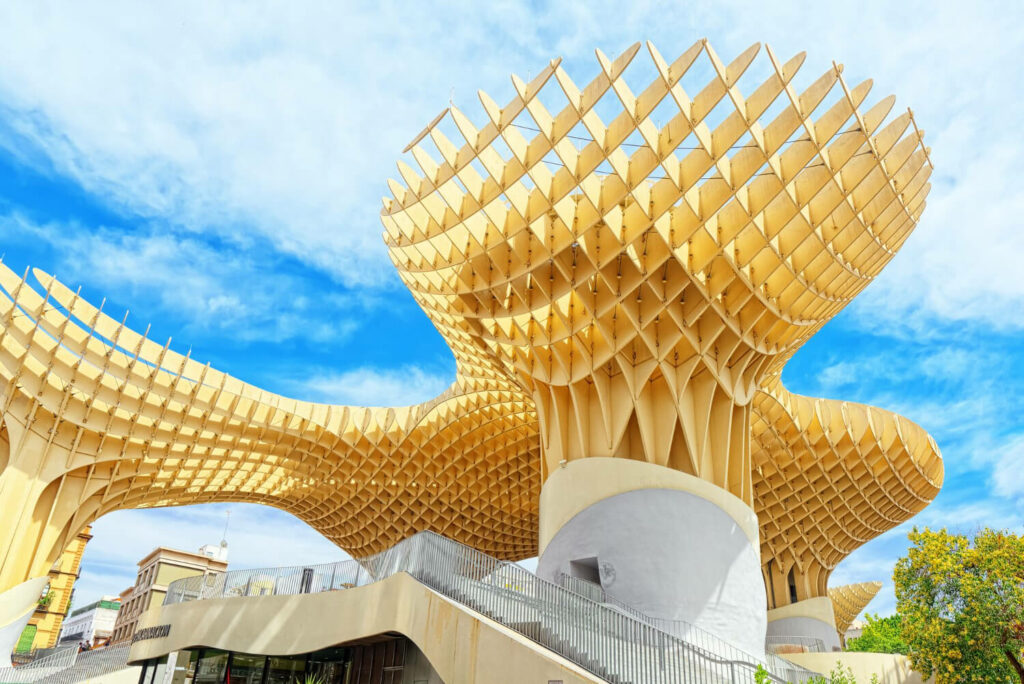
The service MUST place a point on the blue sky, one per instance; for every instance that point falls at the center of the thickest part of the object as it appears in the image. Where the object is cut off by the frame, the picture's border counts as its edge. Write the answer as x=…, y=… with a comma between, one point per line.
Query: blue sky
x=218, y=171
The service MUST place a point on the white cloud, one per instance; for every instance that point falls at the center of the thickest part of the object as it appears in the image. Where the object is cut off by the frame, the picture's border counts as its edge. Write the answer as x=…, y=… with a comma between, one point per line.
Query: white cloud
x=969, y=516
x=277, y=120
x=285, y=121
x=282, y=125
x=1008, y=473
x=951, y=389
x=876, y=560
x=376, y=387
x=240, y=293
x=838, y=375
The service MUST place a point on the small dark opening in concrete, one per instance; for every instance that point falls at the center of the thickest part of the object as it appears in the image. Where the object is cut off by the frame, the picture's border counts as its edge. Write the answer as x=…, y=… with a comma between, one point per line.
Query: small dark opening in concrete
x=586, y=569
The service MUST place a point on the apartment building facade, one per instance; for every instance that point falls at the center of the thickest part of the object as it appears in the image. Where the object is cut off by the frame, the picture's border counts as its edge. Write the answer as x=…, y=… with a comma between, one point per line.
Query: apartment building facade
x=158, y=569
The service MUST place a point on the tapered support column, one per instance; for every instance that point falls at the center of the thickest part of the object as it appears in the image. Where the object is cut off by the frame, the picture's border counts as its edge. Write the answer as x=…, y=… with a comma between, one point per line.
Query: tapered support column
x=668, y=544
x=21, y=530
x=41, y=506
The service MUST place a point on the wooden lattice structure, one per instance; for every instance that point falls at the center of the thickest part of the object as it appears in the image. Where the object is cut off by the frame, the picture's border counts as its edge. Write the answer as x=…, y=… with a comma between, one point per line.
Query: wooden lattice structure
x=849, y=600
x=631, y=289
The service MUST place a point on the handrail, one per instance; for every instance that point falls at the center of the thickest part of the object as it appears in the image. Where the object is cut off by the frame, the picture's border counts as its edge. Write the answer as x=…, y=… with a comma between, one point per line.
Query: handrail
x=774, y=643
x=602, y=639
x=24, y=658
x=39, y=668
x=91, y=664
x=264, y=581
x=68, y=666
x=680, y=629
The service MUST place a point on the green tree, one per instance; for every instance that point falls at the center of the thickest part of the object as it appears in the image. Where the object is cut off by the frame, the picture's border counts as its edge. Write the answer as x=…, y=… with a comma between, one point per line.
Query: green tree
x=962, y=605
x=881, y=635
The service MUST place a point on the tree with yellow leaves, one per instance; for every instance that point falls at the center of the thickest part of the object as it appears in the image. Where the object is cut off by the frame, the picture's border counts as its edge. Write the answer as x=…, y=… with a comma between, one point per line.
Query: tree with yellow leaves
x=962, y=605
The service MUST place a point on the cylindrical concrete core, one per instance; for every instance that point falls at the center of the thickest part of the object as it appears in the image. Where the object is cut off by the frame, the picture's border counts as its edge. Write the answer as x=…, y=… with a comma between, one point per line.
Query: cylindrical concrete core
x=668, y=544
x=812, y=618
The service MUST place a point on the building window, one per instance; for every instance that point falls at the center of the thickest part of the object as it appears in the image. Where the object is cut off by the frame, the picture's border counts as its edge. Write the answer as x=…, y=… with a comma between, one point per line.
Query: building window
x=153, y=671
x=212, y=667
x=246, y=669
x=284, y=670
x=329, y=664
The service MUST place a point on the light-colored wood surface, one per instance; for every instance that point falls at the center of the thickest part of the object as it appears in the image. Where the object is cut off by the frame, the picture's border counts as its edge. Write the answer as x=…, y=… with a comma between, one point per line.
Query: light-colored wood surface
x=831, y=475
x=849, y=600
x=92, y=428
x=629, y=289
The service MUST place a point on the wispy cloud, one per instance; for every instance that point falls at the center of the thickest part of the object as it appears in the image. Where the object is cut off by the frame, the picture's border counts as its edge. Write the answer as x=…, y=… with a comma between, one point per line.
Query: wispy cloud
x=953, y=389
x=241, y=292
x=1008, y=473
x=876, y=560
x=236, y=140
x=285, y=122
x=402, y=386
x=282, y=122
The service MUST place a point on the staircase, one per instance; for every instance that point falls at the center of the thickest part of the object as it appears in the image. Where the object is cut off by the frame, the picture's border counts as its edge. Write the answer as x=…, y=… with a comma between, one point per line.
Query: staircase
x=605, y=641
x=616, y=644
x=69, y=668
x=43, y=666
x=90, y=664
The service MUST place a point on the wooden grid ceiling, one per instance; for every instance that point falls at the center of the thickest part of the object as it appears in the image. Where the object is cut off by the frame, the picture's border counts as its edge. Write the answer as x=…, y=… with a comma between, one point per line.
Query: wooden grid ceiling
x=628, y=289
x=849, y=600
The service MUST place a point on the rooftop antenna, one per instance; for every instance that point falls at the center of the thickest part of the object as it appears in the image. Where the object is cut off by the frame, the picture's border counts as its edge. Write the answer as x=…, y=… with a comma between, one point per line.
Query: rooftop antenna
x=227, y=521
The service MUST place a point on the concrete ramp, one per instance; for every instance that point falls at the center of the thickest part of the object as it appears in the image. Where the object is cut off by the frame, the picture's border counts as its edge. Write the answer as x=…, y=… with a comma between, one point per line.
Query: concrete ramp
x=461, y=645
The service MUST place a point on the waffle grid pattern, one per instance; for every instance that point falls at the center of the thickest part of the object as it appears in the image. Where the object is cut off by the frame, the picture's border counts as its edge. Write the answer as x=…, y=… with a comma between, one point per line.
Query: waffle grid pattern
x=631, y=288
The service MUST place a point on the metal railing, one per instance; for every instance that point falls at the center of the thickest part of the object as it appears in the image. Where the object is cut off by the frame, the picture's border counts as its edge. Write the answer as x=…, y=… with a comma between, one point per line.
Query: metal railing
x=91, y=664
x=68, y=666
x=680, y=629
x=686, y=631
x=794, y=644
x=602, y=639
x=298, y=579
x=36, y=654
x=39, y=668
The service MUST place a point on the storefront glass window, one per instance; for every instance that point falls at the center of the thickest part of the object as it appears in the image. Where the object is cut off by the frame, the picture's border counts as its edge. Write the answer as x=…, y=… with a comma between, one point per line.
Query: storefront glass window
x=153, y=671
x=246, y=669
x=211, y=668
x=179, y=663
x=160, y=670
x=190, y=668
x=285, y=670
x=329, y=665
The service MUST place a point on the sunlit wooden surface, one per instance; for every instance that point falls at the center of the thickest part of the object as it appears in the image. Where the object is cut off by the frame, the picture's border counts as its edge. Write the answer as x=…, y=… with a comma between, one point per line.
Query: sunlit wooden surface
x=621, y=268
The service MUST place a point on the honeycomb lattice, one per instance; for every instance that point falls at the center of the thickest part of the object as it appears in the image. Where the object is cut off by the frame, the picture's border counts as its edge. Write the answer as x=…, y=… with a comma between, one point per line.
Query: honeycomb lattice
x=630, y=288
x=849, y=600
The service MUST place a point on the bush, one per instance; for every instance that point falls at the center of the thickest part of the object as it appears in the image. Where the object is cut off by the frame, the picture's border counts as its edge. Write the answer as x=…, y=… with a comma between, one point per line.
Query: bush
x=881, y=635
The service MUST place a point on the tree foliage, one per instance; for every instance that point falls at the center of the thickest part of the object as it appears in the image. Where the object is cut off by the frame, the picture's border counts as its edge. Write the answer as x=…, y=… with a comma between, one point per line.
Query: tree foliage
x=962, y=605
x=839, y=675
x=881, y=635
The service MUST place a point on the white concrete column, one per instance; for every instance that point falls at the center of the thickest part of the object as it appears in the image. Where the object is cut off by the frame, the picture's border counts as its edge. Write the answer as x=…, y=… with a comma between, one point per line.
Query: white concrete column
x=16, y=607
x=668, y=544
x=812, y=618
